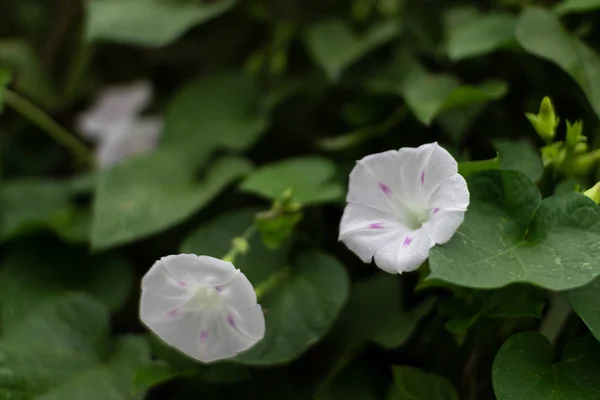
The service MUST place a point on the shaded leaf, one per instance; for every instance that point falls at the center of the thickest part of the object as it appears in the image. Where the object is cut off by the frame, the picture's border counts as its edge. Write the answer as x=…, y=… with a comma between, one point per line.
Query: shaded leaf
x=523, y=369
x=585, y=301
x=576, y=6
x=466, y=168
x=135, y=21
x=482, y=35
x=415, y=384
x=520, y=156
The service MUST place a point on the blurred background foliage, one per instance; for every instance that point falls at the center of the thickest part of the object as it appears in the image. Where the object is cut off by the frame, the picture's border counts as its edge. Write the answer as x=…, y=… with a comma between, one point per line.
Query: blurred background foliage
x=259, y=96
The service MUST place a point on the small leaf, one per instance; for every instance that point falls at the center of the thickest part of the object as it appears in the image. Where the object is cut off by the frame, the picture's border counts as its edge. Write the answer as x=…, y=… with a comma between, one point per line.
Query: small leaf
x=523, y=369
x=309, y=178
x=148, y=22
x=584, y=301
x=153, y=375
x=520, y=156
x=576, y=6
x=540, y=33
x=216, y=111
x=335, y=47
x=414, y=384
x=148, y=194
x=276, y=229
x=482, y=35
x=510, y=236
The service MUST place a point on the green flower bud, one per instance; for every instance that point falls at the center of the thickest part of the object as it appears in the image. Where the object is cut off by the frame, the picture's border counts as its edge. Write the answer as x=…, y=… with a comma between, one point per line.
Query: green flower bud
x=574, y=136
x=594, y=193
x=546, y=121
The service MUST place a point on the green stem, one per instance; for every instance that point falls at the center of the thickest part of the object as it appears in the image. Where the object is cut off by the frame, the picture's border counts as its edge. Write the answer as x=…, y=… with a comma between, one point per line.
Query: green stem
x=272, y=281
x=557, y=317
x=63, y=137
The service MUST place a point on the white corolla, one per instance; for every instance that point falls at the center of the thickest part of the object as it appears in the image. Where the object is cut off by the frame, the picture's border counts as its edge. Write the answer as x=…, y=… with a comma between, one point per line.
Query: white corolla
x=401, y=204
x=203, y=306
x=114, y=123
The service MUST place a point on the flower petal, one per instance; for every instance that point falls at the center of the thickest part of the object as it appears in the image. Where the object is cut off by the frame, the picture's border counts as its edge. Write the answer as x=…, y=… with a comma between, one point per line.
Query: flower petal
x=357, y=216
x=442, y=225
x=404, y=251
x=452, y=194
x=160, y=281
x=202, y=270
x=238, y=293
x=249, y=321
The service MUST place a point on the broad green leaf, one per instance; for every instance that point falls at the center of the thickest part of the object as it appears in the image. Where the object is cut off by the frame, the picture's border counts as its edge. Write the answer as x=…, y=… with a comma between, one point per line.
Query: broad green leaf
x=5, y=77
x=414, y=384
x=214, y=239
x=300, y=308
x=148, y=22
x=482, y=35
x=29, y=205
x=148, y=194
x=467, y=168
x=375, y=312
x=335, y=47
x=520, y=156
x=523, y=369
x=153, y=375
x=586, y=302
x=28, y=278
x=216, y=111
x=510, y=236
x=540, y=33
x=311, y=180
x=427, y=94
x=576, y=6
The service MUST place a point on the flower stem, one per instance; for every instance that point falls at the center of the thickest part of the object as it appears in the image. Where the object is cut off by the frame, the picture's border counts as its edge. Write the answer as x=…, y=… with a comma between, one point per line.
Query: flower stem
x=272, y=281
x=557, y=317
x=239, y=244
x=62, y=136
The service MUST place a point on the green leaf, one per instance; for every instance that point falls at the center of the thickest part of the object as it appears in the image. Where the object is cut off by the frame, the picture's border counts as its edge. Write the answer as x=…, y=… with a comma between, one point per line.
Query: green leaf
x=148, y=194
x=510, y=236
x=309, y=178
x=335, y=47
x=482, y=35
x=300, y=308
x=216, y=111
x=56, y=351
x=520, y=156
x=28, y=279
x=576, y=6
x=152, y=375
x=584, y=301
x=5, y=78
x=30, y=205
x=414, y=384
x=523, y=369
x=540, y=33
x=467, y=168
x=375, y=312
x=148, y=22
x=276, y=229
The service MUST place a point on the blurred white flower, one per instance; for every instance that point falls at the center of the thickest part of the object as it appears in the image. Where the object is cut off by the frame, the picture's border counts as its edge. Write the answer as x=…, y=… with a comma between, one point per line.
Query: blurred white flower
x=202, y=306
x=402, y=203
x=114, y=124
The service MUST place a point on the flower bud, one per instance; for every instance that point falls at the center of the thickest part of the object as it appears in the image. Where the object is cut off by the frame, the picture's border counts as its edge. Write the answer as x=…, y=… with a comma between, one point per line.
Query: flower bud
x=546, y=121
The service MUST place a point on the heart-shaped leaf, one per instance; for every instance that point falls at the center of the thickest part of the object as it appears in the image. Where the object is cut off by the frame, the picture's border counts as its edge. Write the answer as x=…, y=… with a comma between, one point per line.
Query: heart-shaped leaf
x=509, y=236
x=540, y=33
x=520, y=156
x=151, y=193
x=523, y=369
x=414, y=384
x=148, y=22
x=309, y=178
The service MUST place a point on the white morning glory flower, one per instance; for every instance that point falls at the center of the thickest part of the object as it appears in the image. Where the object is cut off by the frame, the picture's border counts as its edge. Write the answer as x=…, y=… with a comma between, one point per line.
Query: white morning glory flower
x=114, y=124
x=202, y=306
x=401, y=204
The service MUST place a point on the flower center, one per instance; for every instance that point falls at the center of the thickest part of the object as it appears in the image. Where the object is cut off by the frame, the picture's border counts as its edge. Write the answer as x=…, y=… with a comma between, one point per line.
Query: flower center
x=206, y=296
x=417, y=217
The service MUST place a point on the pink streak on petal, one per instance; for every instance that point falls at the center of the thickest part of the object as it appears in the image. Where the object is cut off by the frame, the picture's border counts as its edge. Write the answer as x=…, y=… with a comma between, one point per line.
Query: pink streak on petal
x=203, y=335
x=377, y=225
x=407, y=241
x=385, y=188
x=422, y=178
x=182, y=284
x=230, y=320
x=435, y=210
x=172, y=313
x=219, y=288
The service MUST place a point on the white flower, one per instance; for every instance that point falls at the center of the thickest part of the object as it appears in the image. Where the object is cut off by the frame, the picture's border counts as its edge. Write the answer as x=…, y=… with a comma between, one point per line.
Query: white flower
x=114, y=123
x=202, y=306
x=401, y=203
